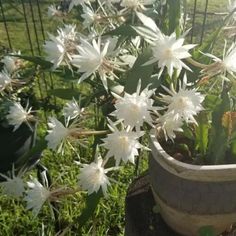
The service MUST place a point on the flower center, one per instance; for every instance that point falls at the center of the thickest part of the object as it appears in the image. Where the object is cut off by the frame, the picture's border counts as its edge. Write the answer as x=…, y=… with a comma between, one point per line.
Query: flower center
x=135, y=108
x=182, y=102
x=124, y=141
x=96, y=176
x=168, y=53
x=106, y=65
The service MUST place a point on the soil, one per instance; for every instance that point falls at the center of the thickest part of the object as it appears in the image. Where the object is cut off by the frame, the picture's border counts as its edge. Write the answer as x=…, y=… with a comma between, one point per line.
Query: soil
x=181, y=151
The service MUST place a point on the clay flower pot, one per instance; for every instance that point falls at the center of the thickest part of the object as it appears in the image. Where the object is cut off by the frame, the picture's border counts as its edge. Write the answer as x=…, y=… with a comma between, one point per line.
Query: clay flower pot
x=191, y=196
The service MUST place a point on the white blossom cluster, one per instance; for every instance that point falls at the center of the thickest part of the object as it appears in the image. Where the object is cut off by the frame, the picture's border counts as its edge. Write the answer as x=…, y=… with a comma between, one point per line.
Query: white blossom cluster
x=34, y=196
x=8, y=75
x=181, y=106
x=96, y=54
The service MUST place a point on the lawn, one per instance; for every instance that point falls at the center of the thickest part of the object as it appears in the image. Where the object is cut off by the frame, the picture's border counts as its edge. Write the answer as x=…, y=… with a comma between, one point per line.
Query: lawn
x=109, y=216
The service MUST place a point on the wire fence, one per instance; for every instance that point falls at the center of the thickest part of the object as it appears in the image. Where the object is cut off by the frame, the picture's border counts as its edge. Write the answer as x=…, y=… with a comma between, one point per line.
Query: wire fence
x=30, y=17
x=23, y=27
x=27, y=17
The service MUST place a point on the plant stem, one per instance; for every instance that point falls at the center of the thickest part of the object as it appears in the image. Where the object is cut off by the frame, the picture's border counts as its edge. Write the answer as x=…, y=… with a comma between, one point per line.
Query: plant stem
x=78, y=133
x=195, y=63
x=100, y=18
x=61, y=192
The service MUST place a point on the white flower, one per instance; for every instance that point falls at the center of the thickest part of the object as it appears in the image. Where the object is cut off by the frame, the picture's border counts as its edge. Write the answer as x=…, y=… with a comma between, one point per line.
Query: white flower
x=135, y=108
x=227, y=64
x=57, y=134
x=14, y=186
x=17, y=115
x=123, y=145
x=11, y=64
x=150, y=32
x=36, y=196
x=68, y=34
x=231, y=7
x=112, y=49
x=56, y=51
x=169, y=52
x=53, y=11
x=60, y=48
x=185, y=103
x=89, y=16
x=124, y=55
x=128, y=59
x=78, y=2
x=130, y=3
x=229, y=60
x=5, y=80
x=92, y=59
x=184, y=19
x=170, y=125
x=92, y=177
x=135, y=4
x=110, y=1
x=72, y=110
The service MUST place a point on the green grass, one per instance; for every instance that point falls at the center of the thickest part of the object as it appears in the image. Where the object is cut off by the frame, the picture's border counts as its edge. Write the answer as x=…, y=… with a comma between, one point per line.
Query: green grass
x=109, y=215
x=108, y=218
x=212, y=20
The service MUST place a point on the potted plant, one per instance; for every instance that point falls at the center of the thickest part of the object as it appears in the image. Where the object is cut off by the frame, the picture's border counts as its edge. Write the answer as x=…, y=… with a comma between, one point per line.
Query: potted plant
x=194, y=185
x=143, y=80
x=193, y=174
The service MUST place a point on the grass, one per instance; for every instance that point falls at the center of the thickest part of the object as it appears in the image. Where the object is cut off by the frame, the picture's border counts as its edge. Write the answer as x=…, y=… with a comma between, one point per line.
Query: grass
x=17, y=25
x=109, y=215
x=214, y=9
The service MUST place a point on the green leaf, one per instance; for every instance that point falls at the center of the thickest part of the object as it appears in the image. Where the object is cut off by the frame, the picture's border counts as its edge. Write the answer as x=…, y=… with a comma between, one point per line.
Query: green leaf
x=123, y=30
x=202, y=131
x=210, y=41
x=218, y=140
x=144, y=32
x=211, y=101
x=207, y=45
x=218, y=148
x=67, y=93
x=36, y=60
x=188, y=132
x=66, y=74
x=91, y=204
x=174, y=16
x=233, y=147
x=207, y=231
x=221, y=109
x=139, y=71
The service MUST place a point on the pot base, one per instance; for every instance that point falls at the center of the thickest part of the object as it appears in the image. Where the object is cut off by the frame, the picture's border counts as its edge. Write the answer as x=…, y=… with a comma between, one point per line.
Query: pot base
x=189, y=224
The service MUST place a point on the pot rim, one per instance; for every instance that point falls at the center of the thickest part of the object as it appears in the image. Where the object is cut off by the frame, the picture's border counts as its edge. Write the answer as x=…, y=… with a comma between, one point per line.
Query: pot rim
x=215, y=173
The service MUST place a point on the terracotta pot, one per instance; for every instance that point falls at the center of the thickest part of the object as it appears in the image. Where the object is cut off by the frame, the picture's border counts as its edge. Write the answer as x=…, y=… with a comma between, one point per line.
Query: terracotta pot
x=192, y=196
